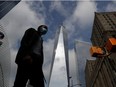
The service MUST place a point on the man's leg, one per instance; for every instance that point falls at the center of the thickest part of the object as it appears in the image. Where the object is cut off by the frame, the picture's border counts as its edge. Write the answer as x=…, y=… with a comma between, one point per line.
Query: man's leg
x=36, y=77
x=37, y=82
x=21, y=77
x=36, y=74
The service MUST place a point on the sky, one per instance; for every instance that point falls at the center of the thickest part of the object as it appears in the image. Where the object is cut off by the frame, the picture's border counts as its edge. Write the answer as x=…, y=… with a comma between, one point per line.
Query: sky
x=76, y=16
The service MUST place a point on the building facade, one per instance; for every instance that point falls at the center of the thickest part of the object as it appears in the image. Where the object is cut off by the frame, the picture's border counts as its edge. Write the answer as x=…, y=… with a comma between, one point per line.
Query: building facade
x=56, y=75
x=6, y=6
x=102, y=71
x=61, y=34
x=5, y=61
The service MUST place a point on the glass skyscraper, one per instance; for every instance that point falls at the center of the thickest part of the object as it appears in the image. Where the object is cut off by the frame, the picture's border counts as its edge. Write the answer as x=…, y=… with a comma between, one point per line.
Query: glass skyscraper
x=4, y=60
x=66, y=59
x=6, y=6
x=82, y=55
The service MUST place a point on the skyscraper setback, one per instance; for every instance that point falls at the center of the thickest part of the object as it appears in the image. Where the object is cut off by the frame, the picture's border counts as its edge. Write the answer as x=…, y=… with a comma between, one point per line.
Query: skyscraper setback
x=102, y=71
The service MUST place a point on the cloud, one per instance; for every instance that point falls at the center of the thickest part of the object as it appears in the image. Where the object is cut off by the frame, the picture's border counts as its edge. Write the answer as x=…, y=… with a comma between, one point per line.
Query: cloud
x=18, y=20
x=58, y=6
x=111, y=6
x=84, y=13
x=81, y=19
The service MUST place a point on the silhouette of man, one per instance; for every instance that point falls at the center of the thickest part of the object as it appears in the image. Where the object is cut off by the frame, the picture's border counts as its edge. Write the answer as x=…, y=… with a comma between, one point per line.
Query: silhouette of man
x=30, y=58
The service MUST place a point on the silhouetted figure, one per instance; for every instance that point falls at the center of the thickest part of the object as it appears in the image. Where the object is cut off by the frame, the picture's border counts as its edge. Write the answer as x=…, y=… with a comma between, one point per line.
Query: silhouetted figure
x=30, y=58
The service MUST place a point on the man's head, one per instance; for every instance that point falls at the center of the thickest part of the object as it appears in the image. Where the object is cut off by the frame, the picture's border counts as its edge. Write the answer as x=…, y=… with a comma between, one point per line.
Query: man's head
x=42, y=29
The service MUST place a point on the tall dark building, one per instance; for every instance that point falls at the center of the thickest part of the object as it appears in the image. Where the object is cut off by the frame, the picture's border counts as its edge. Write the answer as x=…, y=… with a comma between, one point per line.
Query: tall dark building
x=6, y=6
x=104, y=27
x=5, y=62
x=102, y=71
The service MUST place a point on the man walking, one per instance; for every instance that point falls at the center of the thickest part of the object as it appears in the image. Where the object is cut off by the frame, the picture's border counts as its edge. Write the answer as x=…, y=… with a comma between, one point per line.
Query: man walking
x=30, y=58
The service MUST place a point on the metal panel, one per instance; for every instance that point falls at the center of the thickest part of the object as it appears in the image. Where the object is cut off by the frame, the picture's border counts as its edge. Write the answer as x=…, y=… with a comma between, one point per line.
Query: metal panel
x=6, y=6
x=4, y=61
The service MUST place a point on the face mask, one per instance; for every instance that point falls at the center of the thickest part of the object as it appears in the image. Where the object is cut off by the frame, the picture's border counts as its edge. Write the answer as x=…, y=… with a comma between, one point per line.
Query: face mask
x=43, y=30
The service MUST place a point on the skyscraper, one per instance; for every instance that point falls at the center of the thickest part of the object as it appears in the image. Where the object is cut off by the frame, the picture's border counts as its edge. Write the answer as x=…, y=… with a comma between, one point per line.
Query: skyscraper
x=66, y=59
x=6, y=6
x=82, y=54
x=4, y=60
x=102, y=71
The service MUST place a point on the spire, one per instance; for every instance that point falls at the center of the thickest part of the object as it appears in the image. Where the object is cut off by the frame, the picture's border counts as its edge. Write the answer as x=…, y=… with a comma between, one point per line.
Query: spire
x=60, y=66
